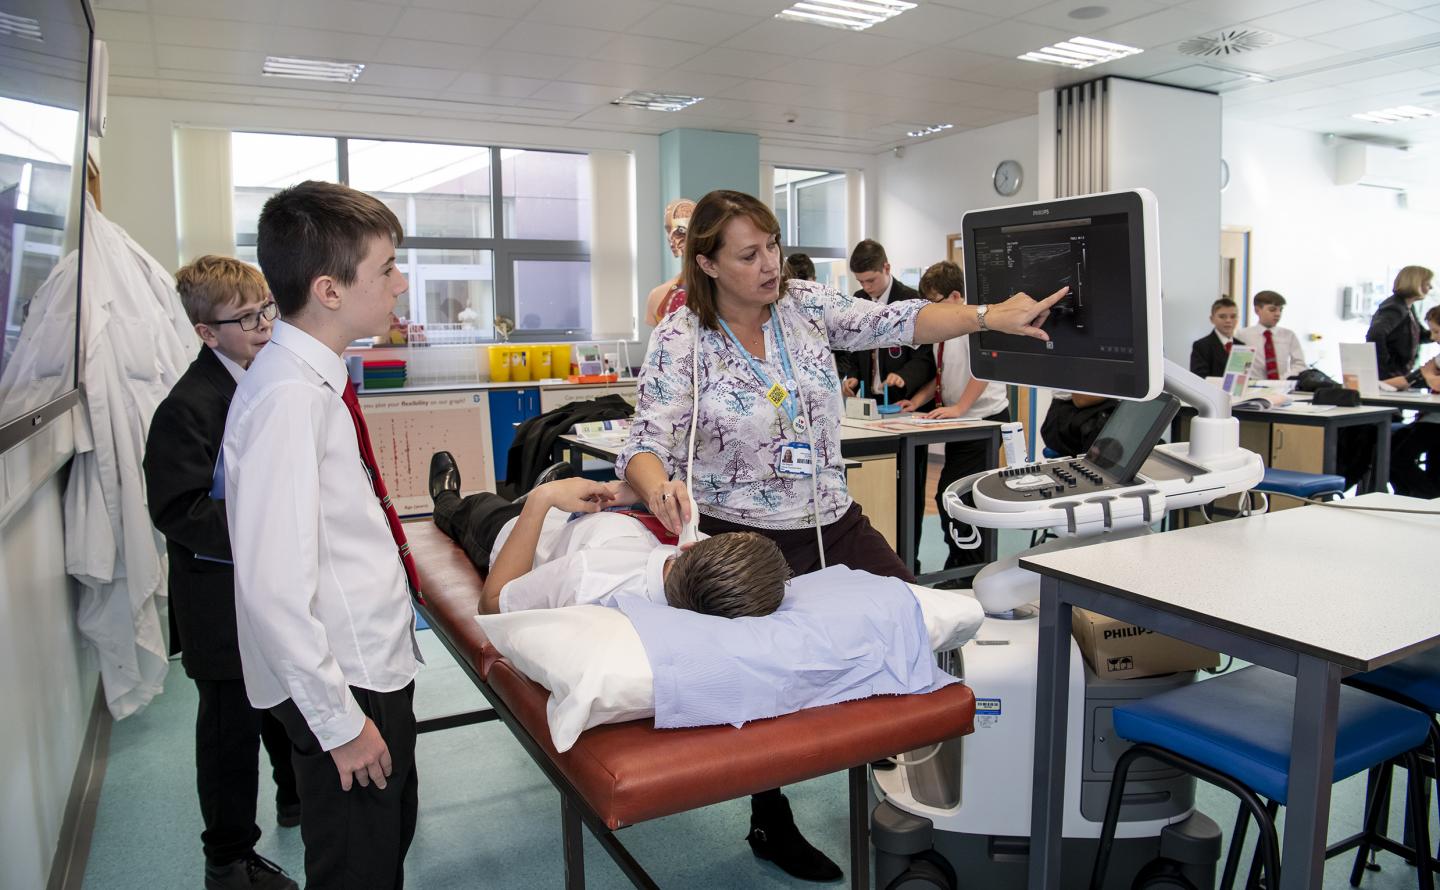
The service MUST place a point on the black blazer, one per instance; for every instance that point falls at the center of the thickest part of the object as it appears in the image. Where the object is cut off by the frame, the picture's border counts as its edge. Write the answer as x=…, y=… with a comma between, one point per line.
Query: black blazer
x=1208, y=355
x=914, y=363
x=1397, y=335
x=180, y=455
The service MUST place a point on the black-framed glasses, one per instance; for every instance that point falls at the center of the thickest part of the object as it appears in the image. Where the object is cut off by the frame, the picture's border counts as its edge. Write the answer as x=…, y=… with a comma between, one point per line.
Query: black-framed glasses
x=251, y=320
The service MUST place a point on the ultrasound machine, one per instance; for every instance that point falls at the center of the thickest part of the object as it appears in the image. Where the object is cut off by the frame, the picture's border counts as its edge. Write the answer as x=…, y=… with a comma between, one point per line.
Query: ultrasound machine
x=964, y=807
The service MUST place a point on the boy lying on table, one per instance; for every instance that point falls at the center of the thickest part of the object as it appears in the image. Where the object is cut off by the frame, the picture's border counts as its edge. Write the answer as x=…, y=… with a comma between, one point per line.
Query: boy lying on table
x=560, y=545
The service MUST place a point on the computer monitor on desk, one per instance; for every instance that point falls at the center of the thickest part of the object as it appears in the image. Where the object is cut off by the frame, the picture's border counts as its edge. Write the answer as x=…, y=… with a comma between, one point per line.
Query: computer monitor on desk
x=1105, y=336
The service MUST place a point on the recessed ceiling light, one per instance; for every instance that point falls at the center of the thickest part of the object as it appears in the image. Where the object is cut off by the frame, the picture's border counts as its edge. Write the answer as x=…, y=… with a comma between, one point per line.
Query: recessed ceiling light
x=656, y=101
x=19, y=26
x=1089, y=12
x=851, y=15
x=927, y=130
x=312, y=69
x=1080, y=52
x=1395, y=115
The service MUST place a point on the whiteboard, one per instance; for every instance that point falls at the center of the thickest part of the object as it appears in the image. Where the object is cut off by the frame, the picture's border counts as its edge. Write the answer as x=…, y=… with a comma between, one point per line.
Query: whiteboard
x=407, y=428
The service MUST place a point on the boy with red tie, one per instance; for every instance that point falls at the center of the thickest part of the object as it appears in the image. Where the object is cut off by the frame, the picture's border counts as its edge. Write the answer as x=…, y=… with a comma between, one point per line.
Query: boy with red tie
x=1278, y=355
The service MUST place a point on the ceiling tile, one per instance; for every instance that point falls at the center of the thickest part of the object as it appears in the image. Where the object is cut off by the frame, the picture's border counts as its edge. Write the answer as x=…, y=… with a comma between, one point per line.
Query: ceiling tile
x=426, y=79
x=1380, y=32
x=482, y=83
x=190, y=58
x=636, y=50
x=316, y=44
x=758, y=8
x=1343, y=74
x=1408, y=5
x=122, y=5
x=735, y=62
x=352, y=16
x=1010, y=39
x=131, y=26
x=1322, y=16
x=1165, y=26
x=556, y=40
x=930, y=24
x=1015, y=74
x=1429, y=12
x=864, y=48
x=1242, y=10
x=1284, y=55
x=697, y=83
x=451, y=27
x=1405, y=81
x=790, y=38
x=598, y=71
x=1057, y=14
x=513, y=64
x=689, y=22
x=128, y=57
x=265, y=12
x=177, y=31
x=399, y=51
x=944, y=61
x=578, y=93
x=505, y=9
x=815, y=73
x=999, y=8
x=611, y=15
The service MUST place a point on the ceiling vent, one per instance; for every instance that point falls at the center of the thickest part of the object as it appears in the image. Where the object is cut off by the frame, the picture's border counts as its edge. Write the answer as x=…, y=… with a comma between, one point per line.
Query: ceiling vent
x=1229, y=42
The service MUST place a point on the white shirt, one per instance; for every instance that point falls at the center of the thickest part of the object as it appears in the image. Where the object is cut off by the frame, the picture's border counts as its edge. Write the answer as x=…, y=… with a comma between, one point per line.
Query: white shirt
x=1224, y=340
x=321, y=600
x=1289, y=357
x=230, y=364
x=953, y=357
x=588, y=560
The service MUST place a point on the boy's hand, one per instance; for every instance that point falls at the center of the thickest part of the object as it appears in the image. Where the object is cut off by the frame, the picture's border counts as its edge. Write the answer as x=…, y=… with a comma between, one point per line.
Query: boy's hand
x=893, y=379
x=949, y=412
x=574, y=495
x=363, y=759
x=907, y=404
x=848, y=386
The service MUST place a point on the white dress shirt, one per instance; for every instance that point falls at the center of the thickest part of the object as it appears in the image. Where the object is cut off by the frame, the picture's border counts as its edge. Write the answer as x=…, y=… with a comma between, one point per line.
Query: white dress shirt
x=1289, y=357
x=953, y=358
x=230, y=364
x=587, y=560
x=321, y=601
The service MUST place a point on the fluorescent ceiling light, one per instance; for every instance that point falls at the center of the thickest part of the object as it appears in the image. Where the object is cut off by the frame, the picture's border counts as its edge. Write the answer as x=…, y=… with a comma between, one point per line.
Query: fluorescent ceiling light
x=19, y=26
x=1080, y=52
x=656, y=101
x=1395, y=115
x=851, y=15
x=927, y=130
x=312, y=69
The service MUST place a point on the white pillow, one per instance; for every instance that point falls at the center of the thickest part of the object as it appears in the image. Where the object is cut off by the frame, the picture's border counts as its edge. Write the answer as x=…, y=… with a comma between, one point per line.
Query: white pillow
x=592, y=661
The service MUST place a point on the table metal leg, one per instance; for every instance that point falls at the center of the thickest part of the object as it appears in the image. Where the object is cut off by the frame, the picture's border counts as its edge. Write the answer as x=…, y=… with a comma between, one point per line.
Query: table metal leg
x=1047, y=798
x=1380, y=480
x=574, y=844
x=1312, y=766
x=1331, y=449
x=577, y=459
x=859, y=830
x=905, y=499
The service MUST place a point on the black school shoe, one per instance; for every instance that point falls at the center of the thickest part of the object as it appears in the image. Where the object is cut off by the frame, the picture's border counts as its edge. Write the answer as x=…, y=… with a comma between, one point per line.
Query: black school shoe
x=444, y=475
x=774, y=837
x=254, y=872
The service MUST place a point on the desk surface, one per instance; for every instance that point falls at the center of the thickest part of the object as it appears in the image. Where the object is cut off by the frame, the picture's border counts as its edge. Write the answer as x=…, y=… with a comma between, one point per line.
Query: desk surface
x=611, y=448
x=1303, y=413
x=1348, y=587
x=1426, y=402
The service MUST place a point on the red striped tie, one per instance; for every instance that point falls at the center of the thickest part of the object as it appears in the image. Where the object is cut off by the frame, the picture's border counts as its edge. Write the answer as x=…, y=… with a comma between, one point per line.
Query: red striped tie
x=1272, y=367
x=367, y=455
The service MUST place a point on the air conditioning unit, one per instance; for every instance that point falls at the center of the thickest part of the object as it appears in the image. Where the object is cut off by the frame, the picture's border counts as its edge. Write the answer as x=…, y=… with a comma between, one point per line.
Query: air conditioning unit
x=1377, y=166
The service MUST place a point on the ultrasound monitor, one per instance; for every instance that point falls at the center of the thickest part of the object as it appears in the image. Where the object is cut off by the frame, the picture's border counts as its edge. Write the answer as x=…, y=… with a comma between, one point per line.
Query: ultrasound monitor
x=1105, y=335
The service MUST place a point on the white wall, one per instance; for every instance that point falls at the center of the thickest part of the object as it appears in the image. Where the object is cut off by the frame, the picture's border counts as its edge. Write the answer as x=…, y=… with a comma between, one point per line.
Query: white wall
x=920, y=198
x=47, y=680
x=1310, y=237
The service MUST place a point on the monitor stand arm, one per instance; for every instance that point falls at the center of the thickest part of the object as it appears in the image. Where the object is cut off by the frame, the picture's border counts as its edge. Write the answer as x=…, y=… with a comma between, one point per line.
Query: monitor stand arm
x=1214, y=434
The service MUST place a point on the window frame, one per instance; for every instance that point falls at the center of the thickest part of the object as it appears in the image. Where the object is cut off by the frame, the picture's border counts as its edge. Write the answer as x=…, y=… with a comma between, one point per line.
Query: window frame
x=505, y=251
x=792, y=212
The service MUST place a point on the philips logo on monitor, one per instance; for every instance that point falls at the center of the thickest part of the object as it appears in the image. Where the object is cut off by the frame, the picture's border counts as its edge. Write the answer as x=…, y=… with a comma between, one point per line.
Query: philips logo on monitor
x=1040, y=212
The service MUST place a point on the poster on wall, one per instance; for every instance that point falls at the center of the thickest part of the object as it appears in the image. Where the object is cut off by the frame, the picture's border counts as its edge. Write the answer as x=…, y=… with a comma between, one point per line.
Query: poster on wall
x=407, y=428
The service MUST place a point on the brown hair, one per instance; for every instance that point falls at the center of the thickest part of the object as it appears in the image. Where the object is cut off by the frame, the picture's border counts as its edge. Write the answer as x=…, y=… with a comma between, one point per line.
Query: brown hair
x=799, y=265
x=942, y=279
x=1225, y=303
x=734, y=575
x=211, y=282
x=1411, y=280
x=1432, y=314
x=707, y=226
x=314, y=229
x=868, y=256
x=1268, y=298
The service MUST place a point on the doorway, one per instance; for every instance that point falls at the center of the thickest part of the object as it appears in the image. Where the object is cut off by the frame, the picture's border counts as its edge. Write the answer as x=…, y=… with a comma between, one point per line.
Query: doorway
x=1235, y=268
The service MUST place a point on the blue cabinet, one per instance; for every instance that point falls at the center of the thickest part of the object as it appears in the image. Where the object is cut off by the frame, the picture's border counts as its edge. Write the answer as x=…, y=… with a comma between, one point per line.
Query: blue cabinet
x=508, y=409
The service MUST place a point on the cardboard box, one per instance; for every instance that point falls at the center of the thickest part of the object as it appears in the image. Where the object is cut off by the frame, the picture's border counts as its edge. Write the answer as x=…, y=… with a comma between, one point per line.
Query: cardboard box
x=1115, y=649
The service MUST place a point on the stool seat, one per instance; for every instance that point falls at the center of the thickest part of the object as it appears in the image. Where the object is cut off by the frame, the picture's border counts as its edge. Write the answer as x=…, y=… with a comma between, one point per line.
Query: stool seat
x=1240, y=724
x=1305, y=485
x=1416, y=679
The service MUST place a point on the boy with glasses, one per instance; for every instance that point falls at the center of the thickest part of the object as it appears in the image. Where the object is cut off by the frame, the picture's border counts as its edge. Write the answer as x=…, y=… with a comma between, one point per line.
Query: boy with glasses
x=230, y=306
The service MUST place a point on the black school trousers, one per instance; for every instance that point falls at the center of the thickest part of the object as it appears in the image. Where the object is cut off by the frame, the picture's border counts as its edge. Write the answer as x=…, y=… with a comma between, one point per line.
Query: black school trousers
x=357, y=839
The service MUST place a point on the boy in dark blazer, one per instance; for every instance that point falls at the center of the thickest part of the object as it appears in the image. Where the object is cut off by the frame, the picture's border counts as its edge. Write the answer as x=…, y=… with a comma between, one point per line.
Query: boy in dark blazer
x=230, y=306
x=1209, y=354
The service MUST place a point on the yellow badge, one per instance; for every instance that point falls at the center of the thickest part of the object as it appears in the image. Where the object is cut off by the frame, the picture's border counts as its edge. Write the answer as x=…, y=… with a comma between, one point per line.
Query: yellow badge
x=777, y=395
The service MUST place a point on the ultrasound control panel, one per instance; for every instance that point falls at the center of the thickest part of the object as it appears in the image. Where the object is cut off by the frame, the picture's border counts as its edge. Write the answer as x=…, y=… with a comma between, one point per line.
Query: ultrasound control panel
x=1073, y=476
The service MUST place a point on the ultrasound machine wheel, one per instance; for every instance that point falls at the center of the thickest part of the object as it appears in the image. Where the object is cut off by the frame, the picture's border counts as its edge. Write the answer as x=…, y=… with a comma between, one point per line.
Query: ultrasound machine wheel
x=928, y=871
x=1162, y=874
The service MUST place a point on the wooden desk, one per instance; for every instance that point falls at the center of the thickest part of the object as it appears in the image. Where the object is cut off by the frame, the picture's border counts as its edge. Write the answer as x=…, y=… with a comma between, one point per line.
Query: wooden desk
x=1297, y=439
x=1306, y=602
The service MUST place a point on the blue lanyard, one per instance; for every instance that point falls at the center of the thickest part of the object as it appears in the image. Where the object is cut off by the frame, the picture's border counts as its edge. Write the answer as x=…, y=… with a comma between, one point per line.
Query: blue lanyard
x=791, y=383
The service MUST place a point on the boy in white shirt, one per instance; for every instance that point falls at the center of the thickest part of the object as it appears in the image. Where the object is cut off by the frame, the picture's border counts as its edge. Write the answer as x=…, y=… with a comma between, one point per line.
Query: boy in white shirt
x=1278, y=355
x=323, y=578
x=961, y=397
x=559, y=545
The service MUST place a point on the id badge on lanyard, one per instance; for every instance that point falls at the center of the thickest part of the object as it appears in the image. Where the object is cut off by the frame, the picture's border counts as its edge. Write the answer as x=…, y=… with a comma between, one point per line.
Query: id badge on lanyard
x=796, y=459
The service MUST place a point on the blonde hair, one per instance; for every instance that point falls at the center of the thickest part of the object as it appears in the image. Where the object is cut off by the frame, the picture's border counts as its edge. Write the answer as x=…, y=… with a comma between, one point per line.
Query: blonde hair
x=1411, y=280
x=211, y=282
x=734, y=575
x=707, y=228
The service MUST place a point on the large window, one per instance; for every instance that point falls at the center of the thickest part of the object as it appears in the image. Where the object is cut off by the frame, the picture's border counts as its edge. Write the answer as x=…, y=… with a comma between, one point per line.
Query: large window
x=488, y=231
x=810, y=205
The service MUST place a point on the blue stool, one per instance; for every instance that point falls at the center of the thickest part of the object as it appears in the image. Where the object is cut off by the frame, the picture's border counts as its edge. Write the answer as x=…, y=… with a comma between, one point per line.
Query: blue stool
x=1301, y=485
x=1415, y=683
x=1234, y=732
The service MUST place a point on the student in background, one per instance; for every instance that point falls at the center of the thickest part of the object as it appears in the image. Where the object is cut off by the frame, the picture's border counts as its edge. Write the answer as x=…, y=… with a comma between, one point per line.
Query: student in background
x=230, y=306
x=1396, y=332
x=1278, y=355
x=960, y=396
x=1413, y=469
x=1209, y=354
x=799, y=267
x=323, y=576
